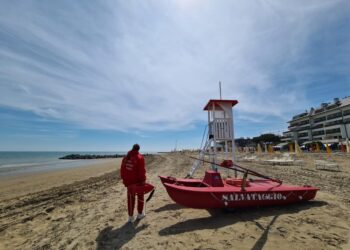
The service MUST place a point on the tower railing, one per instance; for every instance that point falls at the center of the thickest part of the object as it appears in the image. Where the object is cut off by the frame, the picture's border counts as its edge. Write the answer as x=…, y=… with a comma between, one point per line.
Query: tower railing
x=221, y=129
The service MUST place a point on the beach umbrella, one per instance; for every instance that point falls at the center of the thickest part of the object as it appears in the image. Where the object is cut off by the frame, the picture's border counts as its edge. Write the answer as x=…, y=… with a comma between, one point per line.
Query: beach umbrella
x=259, y=150
x=270, y=148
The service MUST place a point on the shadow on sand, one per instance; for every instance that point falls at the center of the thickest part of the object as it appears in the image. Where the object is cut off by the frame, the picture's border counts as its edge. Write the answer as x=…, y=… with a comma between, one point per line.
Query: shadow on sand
x=169, y=207
x=115, y=239
x=259, y=244
x=222, y=218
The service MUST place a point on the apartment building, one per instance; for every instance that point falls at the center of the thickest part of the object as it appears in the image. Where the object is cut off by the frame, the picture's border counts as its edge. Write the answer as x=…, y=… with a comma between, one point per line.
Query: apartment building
x=329, y=123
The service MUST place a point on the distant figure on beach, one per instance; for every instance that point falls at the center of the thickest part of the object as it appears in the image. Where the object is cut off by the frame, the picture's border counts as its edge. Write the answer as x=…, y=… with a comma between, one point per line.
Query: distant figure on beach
x=133, y=171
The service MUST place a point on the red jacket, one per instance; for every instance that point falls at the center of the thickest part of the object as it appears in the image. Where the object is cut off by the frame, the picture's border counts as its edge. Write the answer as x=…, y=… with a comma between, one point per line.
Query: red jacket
x=133, y=170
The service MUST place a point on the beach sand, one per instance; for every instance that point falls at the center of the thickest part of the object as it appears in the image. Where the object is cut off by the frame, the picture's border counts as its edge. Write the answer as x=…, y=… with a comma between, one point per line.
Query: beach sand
x=73, y=211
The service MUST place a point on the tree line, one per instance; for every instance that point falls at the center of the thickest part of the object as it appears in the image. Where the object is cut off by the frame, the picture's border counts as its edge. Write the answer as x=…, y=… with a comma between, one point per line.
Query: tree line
x=252, y=142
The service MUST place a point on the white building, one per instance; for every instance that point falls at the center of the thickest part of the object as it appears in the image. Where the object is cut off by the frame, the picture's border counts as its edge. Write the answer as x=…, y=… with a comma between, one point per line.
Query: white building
x=330, y=123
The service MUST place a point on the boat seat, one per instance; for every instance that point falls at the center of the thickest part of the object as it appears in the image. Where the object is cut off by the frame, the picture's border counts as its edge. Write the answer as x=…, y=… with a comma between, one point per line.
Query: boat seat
x=237, y=182
x=212, y=179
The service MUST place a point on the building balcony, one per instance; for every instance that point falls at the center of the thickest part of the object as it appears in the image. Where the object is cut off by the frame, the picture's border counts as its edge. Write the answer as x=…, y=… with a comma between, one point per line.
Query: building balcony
x=303, y=129
x=317, y=129
x=329, y=124
x=286, y=136
x=332, y=136
x=318, y=133
x=303, y=133
x=334, y=119
x=317, y=126
x=303, y=123
x=334, y=116
x=332, y=127
x=319, y=120
x=286, y=139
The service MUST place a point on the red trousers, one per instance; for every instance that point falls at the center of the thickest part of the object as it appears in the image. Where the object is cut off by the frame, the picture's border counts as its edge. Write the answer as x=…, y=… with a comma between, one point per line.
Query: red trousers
x=131, y=203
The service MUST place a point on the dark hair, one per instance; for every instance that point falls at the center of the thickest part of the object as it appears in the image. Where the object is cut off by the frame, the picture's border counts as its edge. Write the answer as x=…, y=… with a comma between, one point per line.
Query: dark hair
x=136, y=147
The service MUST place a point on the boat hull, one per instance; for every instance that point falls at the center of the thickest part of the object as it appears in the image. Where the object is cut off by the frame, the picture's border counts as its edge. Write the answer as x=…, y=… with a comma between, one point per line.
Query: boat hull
x=195, y=193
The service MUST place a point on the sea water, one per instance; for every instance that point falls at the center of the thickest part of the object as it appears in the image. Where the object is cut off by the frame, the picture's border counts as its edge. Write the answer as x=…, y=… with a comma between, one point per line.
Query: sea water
x=15, y=163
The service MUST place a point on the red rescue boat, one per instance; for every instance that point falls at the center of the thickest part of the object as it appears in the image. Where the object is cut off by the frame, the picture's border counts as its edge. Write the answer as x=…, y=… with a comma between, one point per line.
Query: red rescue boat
x=216, y=192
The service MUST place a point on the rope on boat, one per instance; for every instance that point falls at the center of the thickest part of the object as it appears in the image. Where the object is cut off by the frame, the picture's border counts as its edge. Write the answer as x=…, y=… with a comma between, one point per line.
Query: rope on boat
x=239, y=170
x=216, y=198
x=204, y=133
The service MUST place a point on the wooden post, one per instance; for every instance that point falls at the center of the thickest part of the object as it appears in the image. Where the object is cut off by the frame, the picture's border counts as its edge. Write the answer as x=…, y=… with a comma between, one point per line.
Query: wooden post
x=233, y=139
x=328, y=149
x=317, y=147
x=291, y=148
x=244, y=181
x=214, y=132
x=297, y=148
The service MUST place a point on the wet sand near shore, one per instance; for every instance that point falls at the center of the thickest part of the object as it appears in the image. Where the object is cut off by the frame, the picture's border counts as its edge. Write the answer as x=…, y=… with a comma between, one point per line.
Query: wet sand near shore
x=14, y=186
x=90, y=213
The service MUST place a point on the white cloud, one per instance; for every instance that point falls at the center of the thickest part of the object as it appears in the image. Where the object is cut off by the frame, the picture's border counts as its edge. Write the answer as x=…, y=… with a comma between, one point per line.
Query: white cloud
x=151, y=65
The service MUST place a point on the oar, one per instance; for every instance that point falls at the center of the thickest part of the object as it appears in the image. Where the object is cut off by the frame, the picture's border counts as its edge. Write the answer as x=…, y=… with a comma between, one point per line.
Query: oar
x=246, y=170
x=147, y=200
x=258, y=174
x=150, y=195
x=232, y=168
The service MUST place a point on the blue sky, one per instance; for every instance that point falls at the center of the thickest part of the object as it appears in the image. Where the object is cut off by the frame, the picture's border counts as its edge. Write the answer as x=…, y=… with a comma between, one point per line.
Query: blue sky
x=102, y=75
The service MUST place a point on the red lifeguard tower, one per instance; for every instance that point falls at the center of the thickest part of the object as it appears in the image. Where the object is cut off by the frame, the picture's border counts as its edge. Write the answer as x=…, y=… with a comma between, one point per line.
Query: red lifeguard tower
x=220, y=132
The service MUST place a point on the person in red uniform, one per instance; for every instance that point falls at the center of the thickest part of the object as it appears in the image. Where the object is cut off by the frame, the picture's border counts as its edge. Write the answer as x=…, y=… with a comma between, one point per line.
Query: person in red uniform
x=133, y=171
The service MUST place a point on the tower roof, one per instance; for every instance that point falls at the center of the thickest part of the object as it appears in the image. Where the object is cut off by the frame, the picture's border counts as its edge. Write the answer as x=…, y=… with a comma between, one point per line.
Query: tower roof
x=217, y=102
